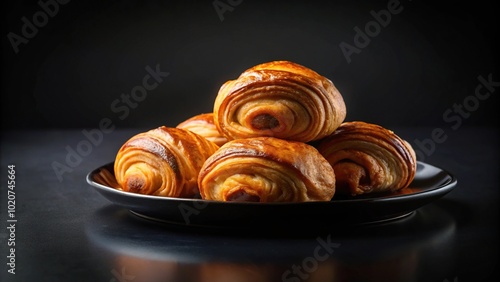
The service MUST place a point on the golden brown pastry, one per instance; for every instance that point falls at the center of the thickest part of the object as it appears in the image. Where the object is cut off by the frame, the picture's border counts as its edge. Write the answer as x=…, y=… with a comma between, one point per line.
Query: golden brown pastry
x=279, y=99
x=107, y=178
x=163, y=161
x=368, y=158
x=266, y=169
x=203, y=124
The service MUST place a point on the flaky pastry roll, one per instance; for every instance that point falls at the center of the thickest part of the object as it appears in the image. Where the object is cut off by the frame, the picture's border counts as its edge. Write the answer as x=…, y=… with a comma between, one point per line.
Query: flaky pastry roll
x=266, y=169
x=279, y=99
x=163, y=161
x=368, y=158
x=203, y=124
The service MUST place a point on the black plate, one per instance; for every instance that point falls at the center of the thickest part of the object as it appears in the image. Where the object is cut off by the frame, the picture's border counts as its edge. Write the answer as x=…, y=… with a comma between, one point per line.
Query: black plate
x=430, y=183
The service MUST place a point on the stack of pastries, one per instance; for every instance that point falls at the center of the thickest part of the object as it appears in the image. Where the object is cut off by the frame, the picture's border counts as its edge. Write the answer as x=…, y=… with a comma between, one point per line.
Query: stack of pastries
x=277, y=133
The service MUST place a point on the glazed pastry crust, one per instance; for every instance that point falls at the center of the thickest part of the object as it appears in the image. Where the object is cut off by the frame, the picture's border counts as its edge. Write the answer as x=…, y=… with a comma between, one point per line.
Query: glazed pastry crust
x=203, y=124
x=368, y=158
x=163, y=161
x=279, y=99
x=266, y=169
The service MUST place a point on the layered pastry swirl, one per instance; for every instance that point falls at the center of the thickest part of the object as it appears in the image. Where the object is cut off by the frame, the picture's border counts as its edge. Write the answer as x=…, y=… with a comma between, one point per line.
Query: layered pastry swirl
x=203, y=124
x=266, y=169
x=279, y=99
x=163, y=161
x=368, y=158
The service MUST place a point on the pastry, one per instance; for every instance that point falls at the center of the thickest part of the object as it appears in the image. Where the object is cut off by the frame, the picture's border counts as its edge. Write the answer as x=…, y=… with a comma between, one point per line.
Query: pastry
x=266, y=169
x=368, y=158
x=164, y=161
x=203, y=124
x=279, y=99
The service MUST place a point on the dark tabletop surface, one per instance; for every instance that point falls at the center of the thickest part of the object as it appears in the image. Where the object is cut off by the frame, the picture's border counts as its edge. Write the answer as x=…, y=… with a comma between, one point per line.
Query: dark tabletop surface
x=64, y=230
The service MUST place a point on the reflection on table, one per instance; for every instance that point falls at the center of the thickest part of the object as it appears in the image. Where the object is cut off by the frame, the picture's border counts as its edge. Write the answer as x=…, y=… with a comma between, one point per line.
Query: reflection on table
x=143, y=251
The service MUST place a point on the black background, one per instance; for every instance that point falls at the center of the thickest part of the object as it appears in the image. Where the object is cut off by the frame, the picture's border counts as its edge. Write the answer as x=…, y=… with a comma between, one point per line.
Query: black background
x=426, y=60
